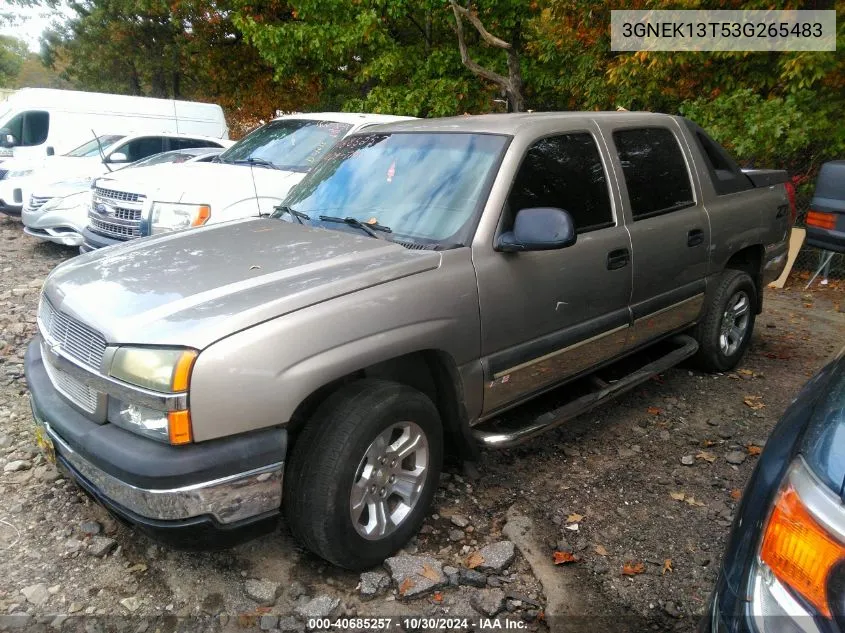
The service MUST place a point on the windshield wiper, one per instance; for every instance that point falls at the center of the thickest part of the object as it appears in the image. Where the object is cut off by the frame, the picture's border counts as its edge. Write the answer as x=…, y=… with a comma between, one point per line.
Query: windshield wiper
x=369, y=229
x=299, y=216
x=259, y=162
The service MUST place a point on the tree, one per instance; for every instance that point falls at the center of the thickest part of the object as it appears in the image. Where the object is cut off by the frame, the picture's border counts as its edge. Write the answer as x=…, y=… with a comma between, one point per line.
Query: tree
x=510, y=85
x=13, y=53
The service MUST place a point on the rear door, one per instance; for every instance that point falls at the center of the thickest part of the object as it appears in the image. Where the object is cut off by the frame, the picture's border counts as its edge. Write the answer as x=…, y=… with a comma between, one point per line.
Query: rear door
x=549, y=315
x=670, y=232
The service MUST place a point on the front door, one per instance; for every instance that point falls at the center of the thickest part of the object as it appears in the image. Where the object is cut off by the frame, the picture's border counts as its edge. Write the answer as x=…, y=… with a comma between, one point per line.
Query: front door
x=550, y=315
x=670, y=232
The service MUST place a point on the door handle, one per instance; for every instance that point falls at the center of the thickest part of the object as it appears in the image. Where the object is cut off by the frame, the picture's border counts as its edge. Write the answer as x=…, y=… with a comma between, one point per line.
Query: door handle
x=695, y=237
x=618, y=258
x=782, y=210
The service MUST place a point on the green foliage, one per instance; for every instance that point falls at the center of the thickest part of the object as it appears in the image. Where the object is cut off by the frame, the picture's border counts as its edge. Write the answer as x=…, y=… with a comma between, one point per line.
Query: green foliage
x=792, y=131
x=13, y=53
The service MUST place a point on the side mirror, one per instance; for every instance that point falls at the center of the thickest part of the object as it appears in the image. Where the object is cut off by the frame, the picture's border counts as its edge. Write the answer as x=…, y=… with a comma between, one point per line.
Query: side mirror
x=7, y=139
x=538, y=229
x=117, y=157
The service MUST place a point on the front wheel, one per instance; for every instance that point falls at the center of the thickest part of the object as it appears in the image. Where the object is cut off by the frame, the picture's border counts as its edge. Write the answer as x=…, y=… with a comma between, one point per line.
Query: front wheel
x=363, y=472
x=725, y=331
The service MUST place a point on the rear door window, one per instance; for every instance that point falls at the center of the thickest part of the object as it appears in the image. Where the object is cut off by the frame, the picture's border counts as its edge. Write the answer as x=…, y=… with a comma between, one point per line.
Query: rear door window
x=565, y=172
x=187, y=143
x=725, y=173
x=656, y=174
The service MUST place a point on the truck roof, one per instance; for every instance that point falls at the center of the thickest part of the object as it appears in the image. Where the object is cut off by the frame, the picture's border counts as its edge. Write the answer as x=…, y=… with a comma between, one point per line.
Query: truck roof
x=511, y=124
x=353, y=118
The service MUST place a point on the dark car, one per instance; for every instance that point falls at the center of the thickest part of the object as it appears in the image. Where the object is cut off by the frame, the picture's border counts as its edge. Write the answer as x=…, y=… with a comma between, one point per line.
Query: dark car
x=784, y=567
x=826, y=217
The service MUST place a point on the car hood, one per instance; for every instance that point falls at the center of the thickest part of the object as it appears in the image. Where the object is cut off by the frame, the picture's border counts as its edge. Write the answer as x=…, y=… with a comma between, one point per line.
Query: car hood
x=823, y=446
x=194, y=287
x=217, y=184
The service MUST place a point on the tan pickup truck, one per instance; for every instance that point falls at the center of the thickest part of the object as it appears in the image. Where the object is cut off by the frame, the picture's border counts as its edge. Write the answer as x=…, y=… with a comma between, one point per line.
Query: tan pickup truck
x=425, y=277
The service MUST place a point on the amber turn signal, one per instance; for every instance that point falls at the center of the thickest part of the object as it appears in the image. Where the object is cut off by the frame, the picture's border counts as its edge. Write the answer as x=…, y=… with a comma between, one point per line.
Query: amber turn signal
x=821, y=220
x=203, y=214
x=182, y=370
x=799, y=551
x=179, y=427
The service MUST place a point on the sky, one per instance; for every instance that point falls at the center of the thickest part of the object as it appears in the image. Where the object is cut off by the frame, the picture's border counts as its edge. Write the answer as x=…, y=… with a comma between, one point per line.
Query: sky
x=27, y=23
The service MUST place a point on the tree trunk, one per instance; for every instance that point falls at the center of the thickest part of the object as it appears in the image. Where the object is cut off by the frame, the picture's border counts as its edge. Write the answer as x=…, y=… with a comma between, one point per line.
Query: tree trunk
x=512, y=84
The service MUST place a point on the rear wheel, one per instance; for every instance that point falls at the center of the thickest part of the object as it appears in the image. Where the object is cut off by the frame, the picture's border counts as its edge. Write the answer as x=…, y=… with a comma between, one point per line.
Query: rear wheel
x=363, y=472
x=725, y=331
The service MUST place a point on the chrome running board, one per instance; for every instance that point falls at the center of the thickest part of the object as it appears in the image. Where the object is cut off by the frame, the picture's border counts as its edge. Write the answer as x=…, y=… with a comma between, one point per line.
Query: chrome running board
x=685, y=346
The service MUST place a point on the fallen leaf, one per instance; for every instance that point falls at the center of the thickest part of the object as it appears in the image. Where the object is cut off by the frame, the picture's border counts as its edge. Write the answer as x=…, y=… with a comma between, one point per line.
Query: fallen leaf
x=709, y=443
x=406, y=586
x=139, y=567
x=753, y=450
x=694, y=502
x=745, y=372
x=562, y=558
x=437, y=597
x=677, y=496
x=753, y=402
x=574, y=518
x=736, y=494
x=667, y=566
x=632, y=568
x=708, y=457
x=600, y=550
x=429, y=572
x=653, y=410
x=474, y=560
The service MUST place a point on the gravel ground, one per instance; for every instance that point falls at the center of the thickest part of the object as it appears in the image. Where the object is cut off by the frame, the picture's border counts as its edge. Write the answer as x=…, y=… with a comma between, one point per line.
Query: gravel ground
x=648, y=484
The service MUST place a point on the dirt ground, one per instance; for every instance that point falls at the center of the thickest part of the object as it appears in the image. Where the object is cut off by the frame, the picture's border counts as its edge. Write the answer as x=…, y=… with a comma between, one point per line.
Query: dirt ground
x=642, y=484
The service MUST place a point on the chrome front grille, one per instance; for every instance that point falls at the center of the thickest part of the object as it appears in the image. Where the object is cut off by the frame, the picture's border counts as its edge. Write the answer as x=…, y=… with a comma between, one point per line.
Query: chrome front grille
x=74, y=390
x=36, y=202
x=75, y=339
x=121, y=196
x=112, y=229
x=116, y=214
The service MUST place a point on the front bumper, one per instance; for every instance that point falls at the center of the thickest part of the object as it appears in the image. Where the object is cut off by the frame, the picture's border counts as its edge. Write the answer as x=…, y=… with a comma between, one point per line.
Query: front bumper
x=60, y=227
x=92, y=241
x=826, y=239
x=10, y=209
x=208, y=487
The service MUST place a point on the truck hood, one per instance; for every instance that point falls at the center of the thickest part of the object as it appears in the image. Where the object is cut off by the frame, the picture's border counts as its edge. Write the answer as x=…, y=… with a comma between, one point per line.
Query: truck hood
x=219, y=185
x=194, y=287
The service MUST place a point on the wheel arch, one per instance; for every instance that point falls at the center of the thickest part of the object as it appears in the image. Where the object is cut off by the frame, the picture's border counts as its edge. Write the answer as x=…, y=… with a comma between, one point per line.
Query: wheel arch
x=431, y=371
x=750, y=261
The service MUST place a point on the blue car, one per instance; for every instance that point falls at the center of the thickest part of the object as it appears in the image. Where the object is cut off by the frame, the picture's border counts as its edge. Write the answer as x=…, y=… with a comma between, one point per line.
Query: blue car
x=784, y=567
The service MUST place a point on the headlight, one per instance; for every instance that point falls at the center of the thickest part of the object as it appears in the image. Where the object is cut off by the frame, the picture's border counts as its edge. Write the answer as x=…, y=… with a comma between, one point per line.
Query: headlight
x=169, y=216
x=801, y=548
x=83, y=198
x=161, y=370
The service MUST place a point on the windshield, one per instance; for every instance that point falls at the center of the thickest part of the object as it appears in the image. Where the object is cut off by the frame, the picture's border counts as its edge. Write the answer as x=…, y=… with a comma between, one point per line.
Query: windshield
x=289, y=144
x=425, y=187
x=91, y=148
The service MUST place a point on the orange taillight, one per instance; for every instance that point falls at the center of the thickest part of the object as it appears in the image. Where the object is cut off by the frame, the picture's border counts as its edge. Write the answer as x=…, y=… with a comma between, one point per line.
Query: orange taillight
x=799, y=551
x=821, y=220
x=179, y=427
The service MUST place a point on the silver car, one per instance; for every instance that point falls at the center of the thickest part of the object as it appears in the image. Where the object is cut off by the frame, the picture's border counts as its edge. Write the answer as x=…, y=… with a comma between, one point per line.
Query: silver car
x=422, y=279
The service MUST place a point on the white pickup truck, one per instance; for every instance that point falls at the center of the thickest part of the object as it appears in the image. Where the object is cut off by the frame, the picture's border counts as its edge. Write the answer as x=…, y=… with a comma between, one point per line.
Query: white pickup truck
x=249, y=179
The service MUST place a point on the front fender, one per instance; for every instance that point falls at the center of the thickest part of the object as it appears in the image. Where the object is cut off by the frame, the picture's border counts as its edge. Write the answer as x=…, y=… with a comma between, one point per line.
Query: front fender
x=258, y=377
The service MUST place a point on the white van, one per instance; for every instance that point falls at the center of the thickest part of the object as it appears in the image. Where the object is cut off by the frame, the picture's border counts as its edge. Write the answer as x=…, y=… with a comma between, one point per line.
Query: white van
x=38, y=122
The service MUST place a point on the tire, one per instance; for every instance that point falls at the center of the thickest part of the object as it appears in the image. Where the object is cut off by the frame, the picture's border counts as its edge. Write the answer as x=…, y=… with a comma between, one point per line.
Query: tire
x=718, y=354
x=337, y=454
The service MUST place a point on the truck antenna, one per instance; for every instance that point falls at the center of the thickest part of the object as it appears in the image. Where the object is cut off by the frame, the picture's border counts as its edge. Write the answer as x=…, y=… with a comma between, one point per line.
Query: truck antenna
x=100, y=147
